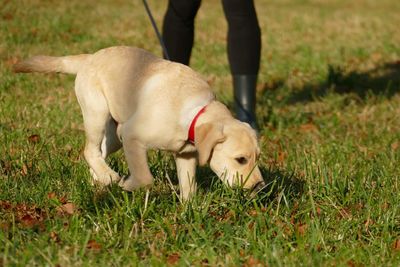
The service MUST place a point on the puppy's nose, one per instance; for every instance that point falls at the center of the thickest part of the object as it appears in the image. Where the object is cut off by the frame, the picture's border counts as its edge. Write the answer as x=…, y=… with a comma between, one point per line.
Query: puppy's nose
x=257, y=188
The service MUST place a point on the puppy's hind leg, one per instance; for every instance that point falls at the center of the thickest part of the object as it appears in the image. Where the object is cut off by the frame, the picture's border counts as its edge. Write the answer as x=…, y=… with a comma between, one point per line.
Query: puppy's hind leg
x=95, y=133
x=95, y=117
x=111, y=142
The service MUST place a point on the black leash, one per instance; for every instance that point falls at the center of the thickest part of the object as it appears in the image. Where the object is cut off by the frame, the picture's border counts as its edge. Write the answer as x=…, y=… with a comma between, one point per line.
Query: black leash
x=160, y=39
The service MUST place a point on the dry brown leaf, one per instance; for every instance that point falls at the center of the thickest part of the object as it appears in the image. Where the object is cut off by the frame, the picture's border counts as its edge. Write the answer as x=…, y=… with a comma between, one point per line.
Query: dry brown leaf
x=308, y=127
x=8, y=16
x=93, y=245
x=24, y=170
x=395, y=145
x=29, y=216
x=34, y=138
x=51, y=195
x=318, y=211
x=263, y=209
x=253, y=262
x=173, y=258
x=351, y=263
x=228, y=215
x=281, y=157
x=301, y=228
x=67, y=208
x=5, y=205
x=251, y=225
x=28, y=220
x=63, y=199
x=253, y=213
x=396, y=245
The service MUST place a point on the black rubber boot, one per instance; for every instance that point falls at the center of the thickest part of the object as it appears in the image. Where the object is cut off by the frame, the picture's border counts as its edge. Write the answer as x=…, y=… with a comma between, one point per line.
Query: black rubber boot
x=244, y=89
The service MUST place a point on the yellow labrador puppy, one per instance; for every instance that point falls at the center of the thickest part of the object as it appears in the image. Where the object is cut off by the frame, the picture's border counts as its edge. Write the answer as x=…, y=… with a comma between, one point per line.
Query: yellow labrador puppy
x=135, y=100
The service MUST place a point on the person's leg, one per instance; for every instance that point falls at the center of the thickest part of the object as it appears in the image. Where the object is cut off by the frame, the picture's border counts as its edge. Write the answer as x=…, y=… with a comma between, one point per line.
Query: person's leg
x=178, y=29
x=244, y=49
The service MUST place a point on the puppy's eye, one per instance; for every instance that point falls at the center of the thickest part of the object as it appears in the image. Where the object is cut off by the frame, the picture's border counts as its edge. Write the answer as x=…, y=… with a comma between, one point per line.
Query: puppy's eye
x=241, y=160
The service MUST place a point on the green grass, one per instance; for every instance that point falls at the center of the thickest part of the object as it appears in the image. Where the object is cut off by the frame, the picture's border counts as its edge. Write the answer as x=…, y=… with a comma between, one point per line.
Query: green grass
x=328, y=107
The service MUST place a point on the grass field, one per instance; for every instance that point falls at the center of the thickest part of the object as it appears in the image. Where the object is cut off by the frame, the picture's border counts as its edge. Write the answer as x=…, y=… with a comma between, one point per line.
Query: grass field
x=329, y=111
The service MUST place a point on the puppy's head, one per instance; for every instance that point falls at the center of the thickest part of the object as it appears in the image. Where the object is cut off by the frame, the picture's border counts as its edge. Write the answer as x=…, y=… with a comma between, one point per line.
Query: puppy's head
x=232, y=150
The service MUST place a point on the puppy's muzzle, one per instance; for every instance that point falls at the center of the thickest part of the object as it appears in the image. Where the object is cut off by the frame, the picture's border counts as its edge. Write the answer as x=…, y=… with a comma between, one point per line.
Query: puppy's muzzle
x=257, y=188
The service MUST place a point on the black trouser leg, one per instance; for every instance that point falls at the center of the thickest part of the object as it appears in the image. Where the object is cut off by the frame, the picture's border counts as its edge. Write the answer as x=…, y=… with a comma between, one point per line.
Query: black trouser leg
x=244, y=49
x=244, y=91
x=178, y=29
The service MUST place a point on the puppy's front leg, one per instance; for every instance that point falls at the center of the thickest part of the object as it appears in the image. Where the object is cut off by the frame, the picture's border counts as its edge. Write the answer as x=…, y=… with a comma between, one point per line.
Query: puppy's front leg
x=136, y=156
x=186, y=168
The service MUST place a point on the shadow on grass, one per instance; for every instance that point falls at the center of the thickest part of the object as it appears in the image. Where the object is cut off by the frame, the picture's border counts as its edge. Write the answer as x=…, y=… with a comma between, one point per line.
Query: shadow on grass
x=383, y=80
x=277, y=182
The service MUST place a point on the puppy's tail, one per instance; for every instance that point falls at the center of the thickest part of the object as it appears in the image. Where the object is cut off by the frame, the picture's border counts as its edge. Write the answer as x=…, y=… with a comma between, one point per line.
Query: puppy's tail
x=46, y=64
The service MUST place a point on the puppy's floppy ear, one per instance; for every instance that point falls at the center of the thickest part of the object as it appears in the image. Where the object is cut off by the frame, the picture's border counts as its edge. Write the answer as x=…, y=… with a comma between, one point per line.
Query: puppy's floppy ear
x=206, y=137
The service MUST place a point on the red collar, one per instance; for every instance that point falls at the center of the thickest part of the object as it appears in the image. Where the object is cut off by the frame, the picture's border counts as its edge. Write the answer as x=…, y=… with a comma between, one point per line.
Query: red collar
x=193, y=125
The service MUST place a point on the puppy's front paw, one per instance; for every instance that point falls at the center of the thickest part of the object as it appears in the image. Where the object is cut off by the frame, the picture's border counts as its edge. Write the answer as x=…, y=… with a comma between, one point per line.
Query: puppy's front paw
x=129, y=183
x=106, y=178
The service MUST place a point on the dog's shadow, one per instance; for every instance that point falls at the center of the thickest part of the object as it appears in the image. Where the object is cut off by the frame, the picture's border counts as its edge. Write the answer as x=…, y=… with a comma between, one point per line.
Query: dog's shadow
x=281, y=182
x=277, y=182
